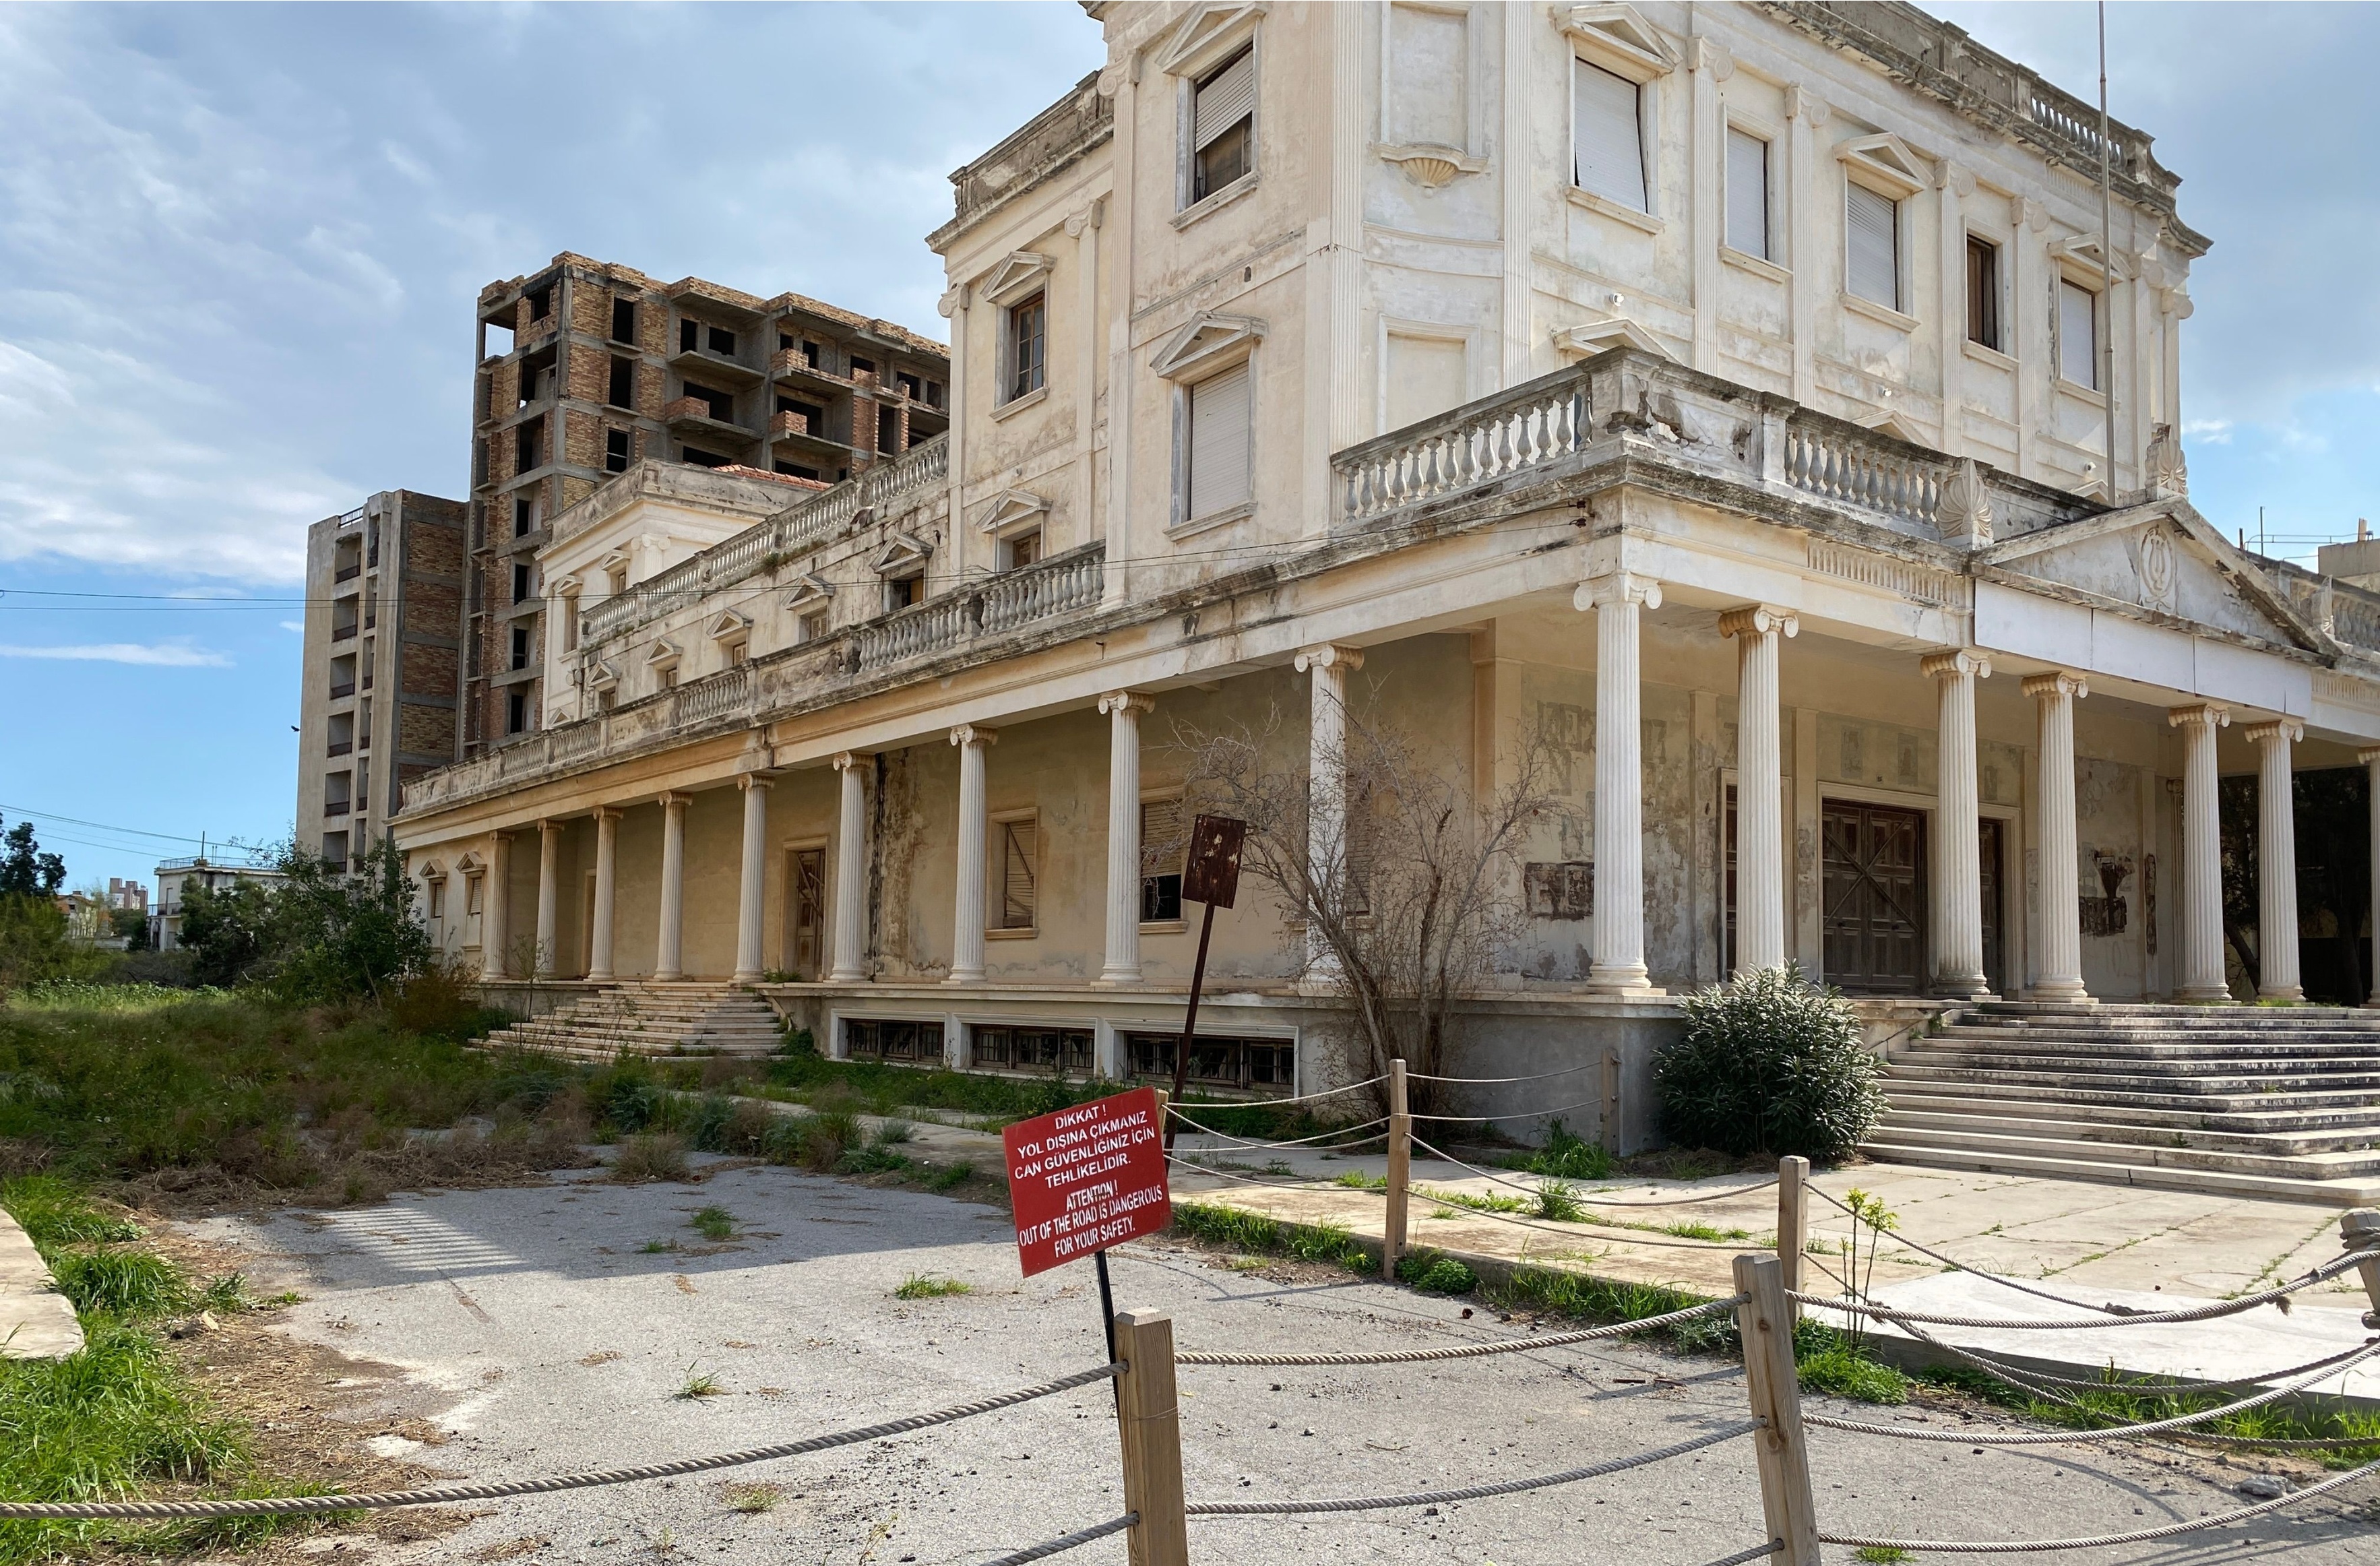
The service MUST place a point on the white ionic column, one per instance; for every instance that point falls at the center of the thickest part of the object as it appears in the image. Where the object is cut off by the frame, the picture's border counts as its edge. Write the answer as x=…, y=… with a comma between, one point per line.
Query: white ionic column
x=607, y=886
x=491, y=906
x=1326, y=788
x=967, y=921
x=2058, y=947
x=2371, y=759
x=669, y=957
x=2276, y=860
x=2202, y=854
x=850, y=872
x=1618, y=962
x=1959, y=883
x=1759, y=787
x=1123, y=709
x=752, y=878
x=549, y=874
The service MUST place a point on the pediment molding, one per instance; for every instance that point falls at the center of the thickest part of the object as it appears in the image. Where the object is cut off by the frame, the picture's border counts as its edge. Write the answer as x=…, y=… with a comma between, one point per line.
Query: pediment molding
x=602, y=676
x=1207, y=37
x=899, y=553
x=808, y=588
x=470, y=864
x=663, y=655
x=1611, y=332
x=1887, y=163
x=1618, y=38
x=1207, y=344
x=1011, y=508
x=729, y=625
x=2079, y=255
x=1895, y=423
x=564, y=587
x=434, y=870
x=1017, y=276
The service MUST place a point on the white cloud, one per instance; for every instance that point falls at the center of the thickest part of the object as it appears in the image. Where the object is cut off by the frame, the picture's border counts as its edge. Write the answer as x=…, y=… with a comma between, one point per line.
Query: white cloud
x=296, y=625
x=155, y=654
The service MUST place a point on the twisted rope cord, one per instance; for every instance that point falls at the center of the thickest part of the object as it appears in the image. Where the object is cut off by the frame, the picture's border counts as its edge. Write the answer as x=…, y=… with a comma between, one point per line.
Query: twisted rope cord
x=1445, y=1157
x=1326, y=1093
x=282, y=1506
x=2112, y=1433
x=1474, y=1492
x=1756, y=1552
x=1518, y=1114
x=1584, y=1230
x=1308, y=1186
x=1068, y=1541
x=2326, y=1271
x=2138, y=1536
x=1500, y=1081
x=1298, y=1142
x=1468, y=1350
x=1898, y=1238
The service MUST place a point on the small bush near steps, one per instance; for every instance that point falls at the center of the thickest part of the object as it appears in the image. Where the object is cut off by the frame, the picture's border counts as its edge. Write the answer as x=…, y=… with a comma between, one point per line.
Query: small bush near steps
x=1770, y=1064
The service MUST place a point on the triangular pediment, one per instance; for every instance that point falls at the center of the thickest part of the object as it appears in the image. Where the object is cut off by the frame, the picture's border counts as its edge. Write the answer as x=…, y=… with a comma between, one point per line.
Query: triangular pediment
x=1889, y=163
x=2083, y=253
x=1010, y=508
x=903, y=551
x=602, y=676
x=729, y=627
x=1611, y=332
x=808, y=588
x=1018, y=274
x=1618, y=38
x=1896, y=424
x=1206, y=37
x=2165, y=561
x=470, y=864
x=1205, y=345
x=663, y=655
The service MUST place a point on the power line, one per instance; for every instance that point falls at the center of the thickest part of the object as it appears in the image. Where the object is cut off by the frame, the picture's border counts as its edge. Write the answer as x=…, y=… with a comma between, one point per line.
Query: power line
x=98, y=826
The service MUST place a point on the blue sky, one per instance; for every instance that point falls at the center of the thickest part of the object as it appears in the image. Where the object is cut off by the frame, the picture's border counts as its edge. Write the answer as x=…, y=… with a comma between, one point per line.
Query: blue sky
x=240, y=247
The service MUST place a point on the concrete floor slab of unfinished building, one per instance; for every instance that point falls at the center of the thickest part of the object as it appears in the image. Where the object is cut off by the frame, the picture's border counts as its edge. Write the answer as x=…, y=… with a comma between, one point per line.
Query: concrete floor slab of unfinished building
x=2150, y=1249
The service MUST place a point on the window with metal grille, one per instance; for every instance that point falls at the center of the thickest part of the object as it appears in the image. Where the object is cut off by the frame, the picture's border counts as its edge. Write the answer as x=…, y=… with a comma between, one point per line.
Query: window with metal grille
x=1266, y=1066
x=1061, y=1052
x=1872, y=241
x=895, y=1040
x=1608, y=135
x=1162, y=843
x=1222, y=125
x=1018, y=904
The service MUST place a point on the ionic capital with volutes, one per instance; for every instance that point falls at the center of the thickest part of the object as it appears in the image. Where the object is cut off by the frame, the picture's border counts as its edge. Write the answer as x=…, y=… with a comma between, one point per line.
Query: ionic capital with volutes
x=2058, y=682
x=1759, y=619
x=1131, y=701
x=974, y=734
x=2286, y=729
x=1959, y=662
x=1620, y=587
x=2213, y=714
x=1330, y=655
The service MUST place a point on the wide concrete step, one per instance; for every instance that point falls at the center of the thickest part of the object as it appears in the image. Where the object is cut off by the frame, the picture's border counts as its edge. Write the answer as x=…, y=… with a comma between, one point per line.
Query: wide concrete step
x=1998, y=1158
x=2303, y=1166
x=648, y=1018
x=2151, y=1040
x=2348, y=1086
x=2263, y=1073
x=2359, y=1140
x=2287, y=1113
x=2177, y=1014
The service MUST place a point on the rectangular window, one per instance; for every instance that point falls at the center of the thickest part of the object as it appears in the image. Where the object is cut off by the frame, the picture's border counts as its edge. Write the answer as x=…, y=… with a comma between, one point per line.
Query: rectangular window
x=795, y=470
x=541, y=302
x=910, y=385
x=1222, y=125
x=888, y=428
x=888, y=1040
x=1017, y=903
x=736, y=653
x=520, y=646
x=1219, y=442
x=438, y=898
x=2078, y=334
x=700, y=458
x=520, y=582
x=623, y=389
x=1021, y=550
x=814, y=625
x=1162, y=843
x=901, y=592
x=719, y=340
x=615, y=451
x=1983, y=292
x=1607, y=129
x=516, y=712
x=334, y=849
x=528, y=446
x=1027, y=325
x=666, y=679
x=1872, y=231
x=689, y=335
x=1747, y=193
x=624, y=321
x=1067, y=1051
x=809, y=353
x=862, y=366
x=524, y=516
x=606, y=700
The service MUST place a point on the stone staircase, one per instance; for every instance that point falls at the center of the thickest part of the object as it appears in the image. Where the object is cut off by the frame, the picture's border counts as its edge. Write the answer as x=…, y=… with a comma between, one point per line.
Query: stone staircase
x=645, y=1018
x=2264, y=1101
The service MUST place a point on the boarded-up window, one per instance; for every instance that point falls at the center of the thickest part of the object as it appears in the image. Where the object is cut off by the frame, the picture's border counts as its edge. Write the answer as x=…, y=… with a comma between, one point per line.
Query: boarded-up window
x=1425, y=376
x=1747, y=193
x=1872, y=235
x=2078, y=334
x=1608, y=122
x=1219, y=442
x=1017, y=869
x=1162, y=842
x=1429, y=77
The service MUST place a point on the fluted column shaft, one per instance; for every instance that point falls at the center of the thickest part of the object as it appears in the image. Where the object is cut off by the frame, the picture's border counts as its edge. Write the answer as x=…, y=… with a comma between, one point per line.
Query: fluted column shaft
x=2202, y=854
x=2276, y=861
x=1759, y=787
x=607, y=886
x=752, y=878
x=850, y=872
x=2059, y=957
x=669, y=960
x=1618, y=959
x=966, y=924
x=548, y=875
x=1959, y=881
x=491, y=906
x=1123, y=709
x=1326, y=807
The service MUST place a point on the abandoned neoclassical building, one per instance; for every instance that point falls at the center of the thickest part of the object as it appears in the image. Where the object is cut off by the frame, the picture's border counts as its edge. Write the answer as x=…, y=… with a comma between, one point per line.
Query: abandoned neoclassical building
x=1745, y=401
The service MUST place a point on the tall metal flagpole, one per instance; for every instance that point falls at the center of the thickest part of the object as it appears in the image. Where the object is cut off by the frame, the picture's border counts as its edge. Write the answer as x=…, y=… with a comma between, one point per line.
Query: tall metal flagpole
x=2107, y=264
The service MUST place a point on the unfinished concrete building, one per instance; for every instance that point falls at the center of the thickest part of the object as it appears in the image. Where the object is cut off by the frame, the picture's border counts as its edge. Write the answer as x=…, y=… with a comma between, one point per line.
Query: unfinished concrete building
x=586, y=369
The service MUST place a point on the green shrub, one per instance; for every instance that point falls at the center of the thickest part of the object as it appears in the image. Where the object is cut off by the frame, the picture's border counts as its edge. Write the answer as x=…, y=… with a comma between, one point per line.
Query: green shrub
x=1241, y=1230
x=1558, y=1201
x=1433, y=1273
x=1833, y=1362
x=1566, y=1155
x=827, y=1139
x=1603, y=1299
x=1769, y=1063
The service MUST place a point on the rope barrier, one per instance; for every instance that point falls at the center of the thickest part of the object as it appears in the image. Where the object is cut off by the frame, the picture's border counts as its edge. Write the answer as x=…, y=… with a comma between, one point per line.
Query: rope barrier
x=1309, y=1098
x=1296, y=1142
x=1080, y=1536
x=1518, y=1114
x=1502, y=1081
x=282, y=1506
x=1469, y=1351
x=1756, y=1552
x=2326, y=1271
x=2112, y=1433
x=2021, y=1288
x=1309, y=1186
x=1584, y=1230
x=1444, y=1157
x=1474, y=1492
x=2139, y=1535
x=2042, y=1380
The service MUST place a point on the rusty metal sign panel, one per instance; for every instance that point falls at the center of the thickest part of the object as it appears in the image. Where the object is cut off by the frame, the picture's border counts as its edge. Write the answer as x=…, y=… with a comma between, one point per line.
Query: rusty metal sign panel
x=1212, y=874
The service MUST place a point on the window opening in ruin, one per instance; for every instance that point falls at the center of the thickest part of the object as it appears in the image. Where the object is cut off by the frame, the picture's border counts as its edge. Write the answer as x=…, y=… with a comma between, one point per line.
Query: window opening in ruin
x=933, y=394
x=520, y=646
x=1162, y=844
x=1747, y=193
x=700, y=458
x=784, y=342
x=872, y=1038
x=472, y=899
x=524, y=516
x=1018, y=839
x=1061, y=1051
x=901, y=592
x=606, y=700
x=516, y=712
x=541, y=302
x=813, y=625
x=1983, y=292
x=1222, y=120
x=1028, y=329
x=1608, y=135
x=438, y=897
x=795, y=470
x=910, y=385
x=1021, y=550
x=624, y=321
x=736, y=653
x=721, y=405
x=719, y=340
x=520, y=581
x=666, y=679
x=1872, y=254
x=862, y=366
x=888, y=428
x=810, y=354
x=528, y=451
x=623, y=389
x=689, y=335
x=615, y=451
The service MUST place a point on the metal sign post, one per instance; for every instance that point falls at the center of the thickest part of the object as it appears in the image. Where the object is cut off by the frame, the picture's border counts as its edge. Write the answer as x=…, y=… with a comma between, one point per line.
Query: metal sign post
x=1211, y=877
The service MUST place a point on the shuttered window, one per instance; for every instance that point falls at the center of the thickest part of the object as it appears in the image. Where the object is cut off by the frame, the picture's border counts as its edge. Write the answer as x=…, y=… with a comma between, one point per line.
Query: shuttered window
x=2078, y=336
x=1747, y=193
x=1219, y=442
x=1017, y=901
x=1872, y=235
x=1162, y=842
x=1608, y=122
x=1223, y=124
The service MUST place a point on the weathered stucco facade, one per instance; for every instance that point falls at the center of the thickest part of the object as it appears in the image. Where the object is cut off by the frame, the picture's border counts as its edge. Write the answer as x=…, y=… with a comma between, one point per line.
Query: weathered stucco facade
x=1320, y=355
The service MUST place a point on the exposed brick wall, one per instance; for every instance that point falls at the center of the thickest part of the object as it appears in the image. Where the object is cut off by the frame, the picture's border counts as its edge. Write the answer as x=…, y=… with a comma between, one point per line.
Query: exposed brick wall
x=590, y=308
x=582, y=437
x=425, y=731
x=428, y=671
x=434, y=609
x=438, y=550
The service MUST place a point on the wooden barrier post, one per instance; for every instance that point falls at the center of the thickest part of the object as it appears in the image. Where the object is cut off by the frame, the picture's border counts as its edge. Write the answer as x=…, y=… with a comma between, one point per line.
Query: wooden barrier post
x=1149, y=1421
x=1392, y=1236
x=1765, y=1321
x=1792, y=1222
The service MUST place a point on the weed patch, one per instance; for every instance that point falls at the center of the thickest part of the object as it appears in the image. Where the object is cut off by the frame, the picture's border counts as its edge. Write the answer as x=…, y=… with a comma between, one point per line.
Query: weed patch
x=1433, y=1273
x=926, y=1286
x=1238, y=1231
x=714, y=1223
x=657, y=1155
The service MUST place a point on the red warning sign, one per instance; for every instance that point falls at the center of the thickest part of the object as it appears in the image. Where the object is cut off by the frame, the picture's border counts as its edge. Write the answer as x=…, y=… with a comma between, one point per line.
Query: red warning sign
x=1087, y=1178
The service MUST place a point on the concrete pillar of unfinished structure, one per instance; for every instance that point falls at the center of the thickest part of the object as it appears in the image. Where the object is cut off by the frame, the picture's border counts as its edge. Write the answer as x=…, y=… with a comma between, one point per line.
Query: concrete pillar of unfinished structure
x=2058, y=957
x=1123, y=709
x=1326, y=797
x=607, y=889
x=752, y=878
x=2202, y=854
x=492, y=932
x=966, y=923
x=2276, y=860
x=1617, y=963
x=850, y=872
x=549, y=895
x=1959, y=875
x=669, y=958
x=1760, y=786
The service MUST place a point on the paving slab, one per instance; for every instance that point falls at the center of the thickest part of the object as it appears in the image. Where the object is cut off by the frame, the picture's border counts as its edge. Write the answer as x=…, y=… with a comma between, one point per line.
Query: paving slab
x=36, y=1321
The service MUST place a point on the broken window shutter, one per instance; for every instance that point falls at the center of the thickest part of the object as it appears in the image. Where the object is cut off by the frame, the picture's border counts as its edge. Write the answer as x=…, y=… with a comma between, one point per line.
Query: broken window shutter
x=1017, y=900
x=1219, y=441
x=1229, y=97
x=1747, y=193
x=1873, y=234
x=1610, y=142
x=1161, y=837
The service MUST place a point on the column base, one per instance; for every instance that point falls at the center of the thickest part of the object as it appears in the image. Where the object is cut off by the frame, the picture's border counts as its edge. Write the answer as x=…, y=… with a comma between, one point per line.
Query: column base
x=841, y=975
x=602, y=977
x=2293, y=995
x=668, y=975
x=2061, y=994
x=2205, y=995
x=1121, y=978
x=1622, y=982
x=744, y=976
x=957, y=977
x=1964, y=986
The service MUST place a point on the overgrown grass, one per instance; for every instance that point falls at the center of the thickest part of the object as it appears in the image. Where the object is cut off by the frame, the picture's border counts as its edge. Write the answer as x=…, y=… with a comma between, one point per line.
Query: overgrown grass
x=714, y=1223
x=1567, y=1156
x=1252, y=1232
x=926, y=1286
x=2130, y=1400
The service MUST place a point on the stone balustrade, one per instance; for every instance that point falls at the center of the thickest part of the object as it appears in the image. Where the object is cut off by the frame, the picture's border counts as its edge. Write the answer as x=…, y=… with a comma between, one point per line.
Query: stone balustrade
x=1476, y=446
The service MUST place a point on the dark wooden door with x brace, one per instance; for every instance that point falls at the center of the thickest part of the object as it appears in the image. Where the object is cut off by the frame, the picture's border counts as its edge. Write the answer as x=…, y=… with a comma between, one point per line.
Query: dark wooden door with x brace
x=1875, y=899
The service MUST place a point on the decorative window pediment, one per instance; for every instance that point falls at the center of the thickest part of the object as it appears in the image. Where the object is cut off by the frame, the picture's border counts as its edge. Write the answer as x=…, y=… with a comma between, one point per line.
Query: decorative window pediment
x=602, y=676
x=2080, y=255
x=1612, y=331
x=809, y=588
x=1207, y=343
x=663, y=655
x=1895, y=423
x=1012, y=508
x=564, y=587
x=730, y=626
x=433, y=871
x=904, y=554
x=1207, y=37
x=470, y=864
x=1019, y=275
x=1885, y=162
x=1618, y=38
